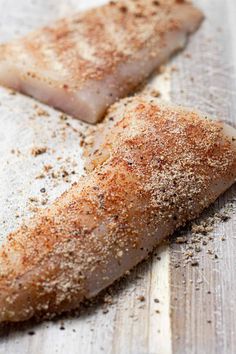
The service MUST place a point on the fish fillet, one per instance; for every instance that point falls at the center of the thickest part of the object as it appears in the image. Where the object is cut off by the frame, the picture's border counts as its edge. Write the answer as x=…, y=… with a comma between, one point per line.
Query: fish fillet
x=156, y=168
x=83, y=64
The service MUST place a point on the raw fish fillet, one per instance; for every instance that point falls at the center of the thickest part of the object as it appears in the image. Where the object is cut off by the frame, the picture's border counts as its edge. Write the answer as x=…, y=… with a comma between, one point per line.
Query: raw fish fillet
x=84, y=63
x=156, y=168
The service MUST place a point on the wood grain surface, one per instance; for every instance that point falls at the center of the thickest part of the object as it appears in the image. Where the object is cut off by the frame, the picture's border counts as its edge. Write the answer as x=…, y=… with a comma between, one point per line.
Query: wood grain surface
x=203, y=298
x=166, y=305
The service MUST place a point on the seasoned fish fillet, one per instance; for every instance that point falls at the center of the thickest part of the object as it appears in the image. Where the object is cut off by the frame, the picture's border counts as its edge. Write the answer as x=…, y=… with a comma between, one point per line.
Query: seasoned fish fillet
x=156, y=168
x=83, y=64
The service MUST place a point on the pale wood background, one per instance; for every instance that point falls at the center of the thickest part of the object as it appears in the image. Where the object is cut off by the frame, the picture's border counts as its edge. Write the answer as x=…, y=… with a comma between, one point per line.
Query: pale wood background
x=187, y=319
x=207, y=81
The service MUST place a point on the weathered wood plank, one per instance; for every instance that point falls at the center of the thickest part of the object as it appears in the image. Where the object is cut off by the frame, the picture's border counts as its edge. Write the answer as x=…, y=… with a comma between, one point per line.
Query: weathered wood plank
x=204, y=322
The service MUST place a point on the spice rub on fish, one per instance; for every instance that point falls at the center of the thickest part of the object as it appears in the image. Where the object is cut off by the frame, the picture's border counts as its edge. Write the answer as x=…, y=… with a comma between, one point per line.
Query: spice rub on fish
x=156, y=168
x=84, y=63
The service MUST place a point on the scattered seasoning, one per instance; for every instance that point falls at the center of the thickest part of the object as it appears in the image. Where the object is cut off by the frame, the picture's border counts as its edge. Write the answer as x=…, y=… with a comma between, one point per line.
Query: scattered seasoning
x=224, y=217
x=38, y=151
x=12, y=92
x=31, y=333
x=181, y=239
x=33, y=199
x=47, y=168
x=198, y=249
x=174, y=68
x=194, y=263
x=17, y=152
x=155, y=93
x=41, y=112
x=141, y=298
x=105, y=311
x=40, y=176
x=63, y=117
x=202, y=228
x=108, y=299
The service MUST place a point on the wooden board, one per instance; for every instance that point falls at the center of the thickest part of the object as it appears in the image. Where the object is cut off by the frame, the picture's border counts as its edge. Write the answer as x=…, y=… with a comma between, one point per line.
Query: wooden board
x=203, y=298
x=186, y=309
